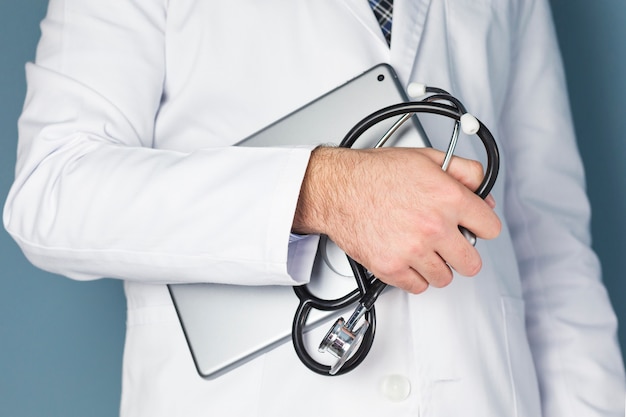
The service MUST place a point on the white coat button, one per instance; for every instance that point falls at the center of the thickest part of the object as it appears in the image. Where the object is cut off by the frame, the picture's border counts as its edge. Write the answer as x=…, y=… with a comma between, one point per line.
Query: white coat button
x=396, y=387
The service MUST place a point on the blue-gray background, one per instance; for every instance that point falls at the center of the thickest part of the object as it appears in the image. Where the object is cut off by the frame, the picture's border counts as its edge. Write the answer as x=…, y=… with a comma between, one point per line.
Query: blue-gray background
x=61, y=341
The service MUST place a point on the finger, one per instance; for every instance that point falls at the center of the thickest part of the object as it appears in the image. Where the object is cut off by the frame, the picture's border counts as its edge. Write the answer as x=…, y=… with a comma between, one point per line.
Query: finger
x=468, y=172
x=408, y=280
x=479, y=218
x=491, y=202
x=461, y=256
x=434, y=270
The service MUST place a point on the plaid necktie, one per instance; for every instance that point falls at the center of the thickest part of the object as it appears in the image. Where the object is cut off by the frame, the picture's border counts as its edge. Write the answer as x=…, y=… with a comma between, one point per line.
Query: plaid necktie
x=383, y=10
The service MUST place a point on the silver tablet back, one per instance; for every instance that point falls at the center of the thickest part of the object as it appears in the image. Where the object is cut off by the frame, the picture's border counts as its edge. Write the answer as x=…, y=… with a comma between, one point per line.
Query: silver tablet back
x=227, y=325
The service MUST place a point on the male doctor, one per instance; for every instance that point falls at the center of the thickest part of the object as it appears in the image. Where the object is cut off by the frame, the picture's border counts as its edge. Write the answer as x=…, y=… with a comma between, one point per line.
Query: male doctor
x=125, y=169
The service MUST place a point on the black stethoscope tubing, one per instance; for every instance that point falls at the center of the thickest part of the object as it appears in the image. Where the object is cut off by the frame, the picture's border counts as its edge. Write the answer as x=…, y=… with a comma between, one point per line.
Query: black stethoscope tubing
x=493, y=155
x=368, y=286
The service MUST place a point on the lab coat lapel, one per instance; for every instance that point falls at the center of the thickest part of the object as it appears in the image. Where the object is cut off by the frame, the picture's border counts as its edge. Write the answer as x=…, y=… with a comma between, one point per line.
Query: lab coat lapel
x=363, y=13
x=409, y=20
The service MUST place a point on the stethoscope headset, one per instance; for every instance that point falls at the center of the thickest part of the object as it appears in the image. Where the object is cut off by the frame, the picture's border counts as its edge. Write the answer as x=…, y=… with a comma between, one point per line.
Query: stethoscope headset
x=347, y=343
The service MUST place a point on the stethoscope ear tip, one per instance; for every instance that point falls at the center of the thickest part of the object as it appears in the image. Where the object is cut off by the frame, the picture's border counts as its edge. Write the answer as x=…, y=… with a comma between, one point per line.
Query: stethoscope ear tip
x=469, y=124
x=416, y=90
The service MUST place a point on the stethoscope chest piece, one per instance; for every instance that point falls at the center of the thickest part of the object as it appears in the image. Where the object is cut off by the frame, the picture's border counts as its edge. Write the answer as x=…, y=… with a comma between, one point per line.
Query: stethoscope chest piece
x=341, y=341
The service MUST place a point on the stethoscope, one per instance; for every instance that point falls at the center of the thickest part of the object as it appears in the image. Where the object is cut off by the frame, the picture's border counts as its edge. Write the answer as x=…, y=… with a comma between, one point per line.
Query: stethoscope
x=348, y=341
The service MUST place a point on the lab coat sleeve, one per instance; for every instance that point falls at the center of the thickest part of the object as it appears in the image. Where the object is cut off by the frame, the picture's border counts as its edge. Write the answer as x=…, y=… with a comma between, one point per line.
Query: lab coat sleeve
x=93, y=198
x=570, y=322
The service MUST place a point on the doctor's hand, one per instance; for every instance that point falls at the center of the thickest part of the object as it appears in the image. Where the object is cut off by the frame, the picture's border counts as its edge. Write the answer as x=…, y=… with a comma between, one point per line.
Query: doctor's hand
x=396, y=212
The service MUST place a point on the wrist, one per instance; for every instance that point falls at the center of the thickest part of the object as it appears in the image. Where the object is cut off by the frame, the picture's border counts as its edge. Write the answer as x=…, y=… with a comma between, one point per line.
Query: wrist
x=318, y=191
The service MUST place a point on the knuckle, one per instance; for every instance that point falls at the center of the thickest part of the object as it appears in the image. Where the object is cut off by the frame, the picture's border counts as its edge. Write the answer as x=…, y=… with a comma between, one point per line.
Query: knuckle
x=476, y=169
x=497, y=226
x=456, y=195
x=431, y=228
x=417, y=286
x=473, y=266
x=389, y=268
x=437, y=272
x=443, y=279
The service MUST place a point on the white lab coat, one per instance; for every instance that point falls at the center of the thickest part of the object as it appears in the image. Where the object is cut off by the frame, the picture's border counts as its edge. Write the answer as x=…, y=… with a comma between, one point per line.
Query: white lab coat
x=125, y=170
